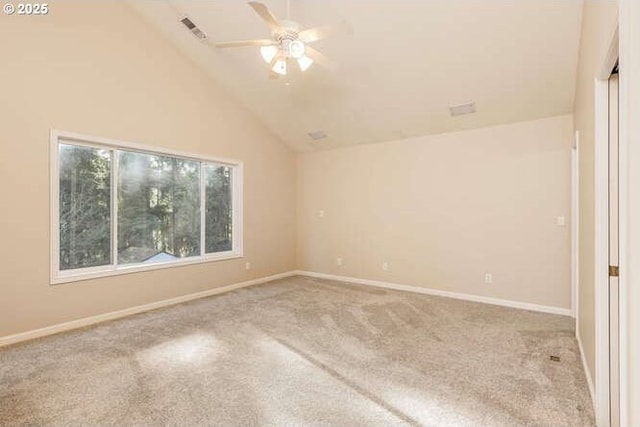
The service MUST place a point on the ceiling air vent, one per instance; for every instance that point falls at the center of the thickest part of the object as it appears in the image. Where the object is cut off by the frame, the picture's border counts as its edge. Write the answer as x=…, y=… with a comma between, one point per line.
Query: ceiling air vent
x=193, y=28
x=316, y=135
x=460, y=109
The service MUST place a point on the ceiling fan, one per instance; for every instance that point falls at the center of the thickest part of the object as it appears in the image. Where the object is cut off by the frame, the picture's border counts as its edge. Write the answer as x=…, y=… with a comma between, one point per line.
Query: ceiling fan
x=288, y=44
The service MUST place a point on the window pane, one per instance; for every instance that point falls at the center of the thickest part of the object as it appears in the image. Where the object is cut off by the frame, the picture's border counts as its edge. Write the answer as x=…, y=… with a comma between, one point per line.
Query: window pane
x=85, y=206
x=158, y=208
x=218, y=204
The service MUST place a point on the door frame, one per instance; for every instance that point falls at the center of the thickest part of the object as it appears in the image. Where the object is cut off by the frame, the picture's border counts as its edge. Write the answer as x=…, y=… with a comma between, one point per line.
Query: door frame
x=575, y=226
x=601, y=273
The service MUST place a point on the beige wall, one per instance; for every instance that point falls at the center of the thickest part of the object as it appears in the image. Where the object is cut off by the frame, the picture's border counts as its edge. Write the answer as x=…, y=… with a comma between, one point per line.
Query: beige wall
x=98, y=69
x=599, y=20
x=443, y=210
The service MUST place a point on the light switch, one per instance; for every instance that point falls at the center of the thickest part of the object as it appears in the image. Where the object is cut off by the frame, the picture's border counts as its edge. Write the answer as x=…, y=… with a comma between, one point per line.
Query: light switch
x=560, y=221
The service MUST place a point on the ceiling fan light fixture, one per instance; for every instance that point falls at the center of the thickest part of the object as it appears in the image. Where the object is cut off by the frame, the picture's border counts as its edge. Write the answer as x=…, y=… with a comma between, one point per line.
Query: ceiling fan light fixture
x=280, y=67
x=287, y=42
x=296, y=49
x=304, y=62
x=268, y=53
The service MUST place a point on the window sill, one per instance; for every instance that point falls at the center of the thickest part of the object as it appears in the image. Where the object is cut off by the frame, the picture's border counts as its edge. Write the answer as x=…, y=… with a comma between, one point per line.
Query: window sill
x=58, y=278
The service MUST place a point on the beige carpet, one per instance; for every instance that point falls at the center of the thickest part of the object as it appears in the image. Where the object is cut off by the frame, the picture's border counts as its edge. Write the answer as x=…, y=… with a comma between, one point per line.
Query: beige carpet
x=303, y=351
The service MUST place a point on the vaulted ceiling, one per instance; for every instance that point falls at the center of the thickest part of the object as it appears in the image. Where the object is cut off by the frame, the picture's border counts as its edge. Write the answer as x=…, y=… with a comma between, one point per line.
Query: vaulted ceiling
x=401, y=66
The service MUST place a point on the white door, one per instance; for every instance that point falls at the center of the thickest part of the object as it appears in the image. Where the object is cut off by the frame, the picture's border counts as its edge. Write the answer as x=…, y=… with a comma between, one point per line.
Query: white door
x=614, y=322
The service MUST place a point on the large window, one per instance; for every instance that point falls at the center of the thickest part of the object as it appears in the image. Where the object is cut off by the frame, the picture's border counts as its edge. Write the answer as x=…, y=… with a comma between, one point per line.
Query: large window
x=119, y=207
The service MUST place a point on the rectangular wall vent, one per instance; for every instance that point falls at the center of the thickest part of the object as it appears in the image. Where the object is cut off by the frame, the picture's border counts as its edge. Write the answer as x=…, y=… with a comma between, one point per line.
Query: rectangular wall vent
x=460, y=109
x=316, y=135
x=193, y=28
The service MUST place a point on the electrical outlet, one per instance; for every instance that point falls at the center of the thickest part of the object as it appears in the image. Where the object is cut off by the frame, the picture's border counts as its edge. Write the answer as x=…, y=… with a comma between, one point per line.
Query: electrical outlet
x=488, y=278
x=247, y=266
x=339, y=261
x=385, y=266
x=320, y=214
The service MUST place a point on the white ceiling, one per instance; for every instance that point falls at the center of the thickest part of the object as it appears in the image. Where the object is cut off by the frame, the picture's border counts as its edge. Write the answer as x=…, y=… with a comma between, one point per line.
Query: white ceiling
x=399, y=69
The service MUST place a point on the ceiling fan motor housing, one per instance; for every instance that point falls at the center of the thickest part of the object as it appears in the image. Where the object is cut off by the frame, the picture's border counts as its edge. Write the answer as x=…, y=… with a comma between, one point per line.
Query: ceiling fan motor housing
x=287, y=38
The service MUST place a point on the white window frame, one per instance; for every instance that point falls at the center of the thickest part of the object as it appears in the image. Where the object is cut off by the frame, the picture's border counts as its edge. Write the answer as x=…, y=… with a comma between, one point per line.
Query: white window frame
x=58, y=276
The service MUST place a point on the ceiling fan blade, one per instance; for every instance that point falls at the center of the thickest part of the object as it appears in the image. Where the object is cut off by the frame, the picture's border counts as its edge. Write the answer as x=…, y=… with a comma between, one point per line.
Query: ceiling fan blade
x=243, y=43
x=319, y=58
x=318, y=33
x=266, y=15
x=275, y=59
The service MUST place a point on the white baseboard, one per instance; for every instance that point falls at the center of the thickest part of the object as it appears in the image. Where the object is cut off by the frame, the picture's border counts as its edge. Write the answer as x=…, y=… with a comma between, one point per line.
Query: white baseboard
x=448, y=294
x=585, y=367
x=74, y=324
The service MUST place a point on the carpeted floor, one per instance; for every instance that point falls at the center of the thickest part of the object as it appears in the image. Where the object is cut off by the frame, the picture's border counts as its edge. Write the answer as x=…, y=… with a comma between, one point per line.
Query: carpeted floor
x=303, y=351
